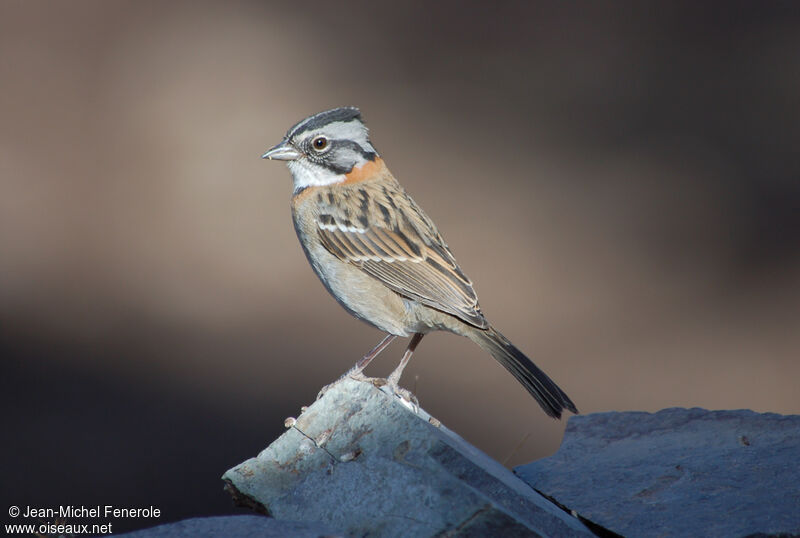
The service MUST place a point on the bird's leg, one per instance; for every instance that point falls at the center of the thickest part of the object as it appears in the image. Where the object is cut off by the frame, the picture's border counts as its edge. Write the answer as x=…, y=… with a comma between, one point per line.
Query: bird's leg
x=356, y=371
x=393, y=381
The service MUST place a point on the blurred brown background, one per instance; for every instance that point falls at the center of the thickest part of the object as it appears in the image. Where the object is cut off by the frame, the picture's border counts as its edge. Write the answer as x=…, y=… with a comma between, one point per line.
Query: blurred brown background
x=622, y=186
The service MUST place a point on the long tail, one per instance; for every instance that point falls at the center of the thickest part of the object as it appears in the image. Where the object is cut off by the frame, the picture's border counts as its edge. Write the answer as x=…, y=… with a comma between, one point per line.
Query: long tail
x=547, y=393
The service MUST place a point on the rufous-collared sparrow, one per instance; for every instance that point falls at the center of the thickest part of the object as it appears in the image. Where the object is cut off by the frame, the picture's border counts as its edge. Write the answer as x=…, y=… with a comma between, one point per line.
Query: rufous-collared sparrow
x=380, y=255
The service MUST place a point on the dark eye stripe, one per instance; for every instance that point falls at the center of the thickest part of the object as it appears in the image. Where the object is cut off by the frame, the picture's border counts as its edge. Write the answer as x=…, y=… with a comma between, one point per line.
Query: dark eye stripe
x=327, y=158
x=355, y=146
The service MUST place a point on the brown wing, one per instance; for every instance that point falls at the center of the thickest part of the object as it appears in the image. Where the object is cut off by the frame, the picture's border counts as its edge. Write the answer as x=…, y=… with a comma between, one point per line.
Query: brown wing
x=380, y=229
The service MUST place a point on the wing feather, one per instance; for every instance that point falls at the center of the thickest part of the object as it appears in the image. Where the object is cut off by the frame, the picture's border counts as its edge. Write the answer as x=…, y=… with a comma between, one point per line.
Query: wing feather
x=400, y=246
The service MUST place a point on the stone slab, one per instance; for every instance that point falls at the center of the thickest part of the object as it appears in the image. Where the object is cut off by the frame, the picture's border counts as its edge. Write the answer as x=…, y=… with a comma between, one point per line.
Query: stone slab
x=678, y=472
x=366, y=462
x=246, y=526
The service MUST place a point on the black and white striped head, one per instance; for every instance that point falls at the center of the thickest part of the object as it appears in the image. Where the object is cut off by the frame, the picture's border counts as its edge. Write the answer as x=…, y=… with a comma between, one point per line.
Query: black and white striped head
x=323, y=148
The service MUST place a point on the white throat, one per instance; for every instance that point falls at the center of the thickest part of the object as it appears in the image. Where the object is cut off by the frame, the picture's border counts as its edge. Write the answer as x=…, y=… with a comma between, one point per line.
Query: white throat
x=306, y=174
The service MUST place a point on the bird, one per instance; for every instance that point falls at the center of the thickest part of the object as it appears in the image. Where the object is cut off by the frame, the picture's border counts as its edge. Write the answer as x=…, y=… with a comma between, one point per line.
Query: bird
x=380, y=255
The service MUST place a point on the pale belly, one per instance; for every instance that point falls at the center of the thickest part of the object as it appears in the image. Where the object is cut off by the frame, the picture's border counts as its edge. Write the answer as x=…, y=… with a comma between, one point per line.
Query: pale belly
x=364, y=296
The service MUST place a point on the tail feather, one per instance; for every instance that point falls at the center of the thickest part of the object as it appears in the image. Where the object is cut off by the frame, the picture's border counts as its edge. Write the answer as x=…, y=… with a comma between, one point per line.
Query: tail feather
x=552, y=399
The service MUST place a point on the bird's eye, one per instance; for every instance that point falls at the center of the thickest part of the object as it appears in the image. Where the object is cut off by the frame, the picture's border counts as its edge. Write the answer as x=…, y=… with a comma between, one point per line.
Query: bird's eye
x=319, y=143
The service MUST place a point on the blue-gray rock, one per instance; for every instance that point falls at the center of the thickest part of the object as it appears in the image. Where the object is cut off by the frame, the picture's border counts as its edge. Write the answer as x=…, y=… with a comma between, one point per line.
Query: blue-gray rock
x=678, y=472
x=233, y=527
x=361, y=461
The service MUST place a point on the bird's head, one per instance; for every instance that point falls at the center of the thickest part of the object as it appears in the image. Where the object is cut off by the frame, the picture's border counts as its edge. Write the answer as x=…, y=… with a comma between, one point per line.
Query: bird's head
x=323, y=148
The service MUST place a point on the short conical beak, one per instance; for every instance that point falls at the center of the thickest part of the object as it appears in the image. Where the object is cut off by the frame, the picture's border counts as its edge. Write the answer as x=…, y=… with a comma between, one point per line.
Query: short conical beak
x=282, y=152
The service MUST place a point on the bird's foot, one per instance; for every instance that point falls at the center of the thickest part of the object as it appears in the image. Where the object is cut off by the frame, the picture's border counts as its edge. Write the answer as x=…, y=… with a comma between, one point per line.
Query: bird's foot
x=406, y=396
x=356, y=374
